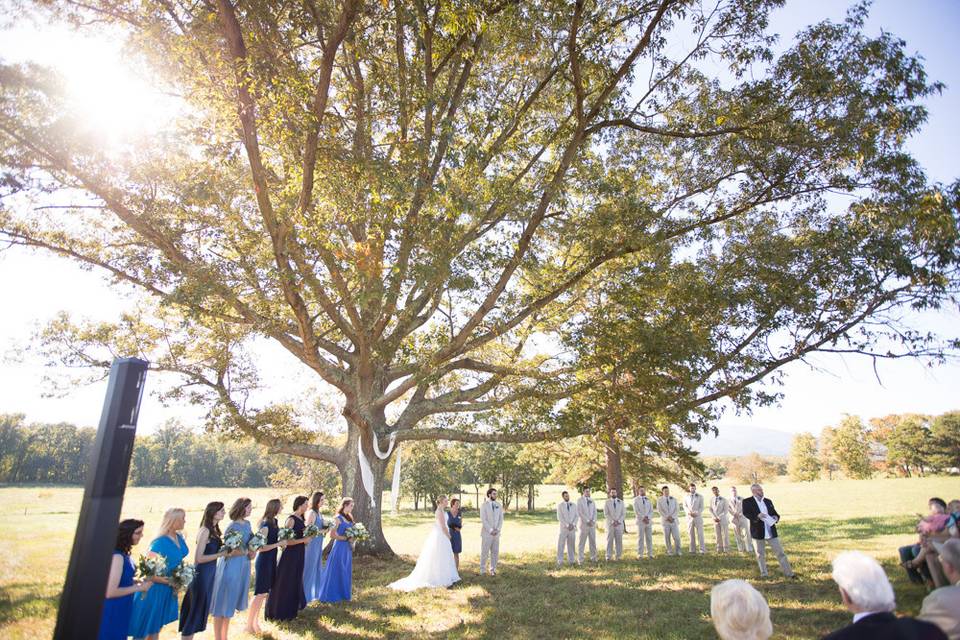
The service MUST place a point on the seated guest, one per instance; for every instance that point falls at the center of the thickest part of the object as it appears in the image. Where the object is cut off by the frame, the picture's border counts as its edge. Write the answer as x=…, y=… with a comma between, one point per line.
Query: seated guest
x=867, y=594
x=915, y=557
x=942, y=607
x=739, y=611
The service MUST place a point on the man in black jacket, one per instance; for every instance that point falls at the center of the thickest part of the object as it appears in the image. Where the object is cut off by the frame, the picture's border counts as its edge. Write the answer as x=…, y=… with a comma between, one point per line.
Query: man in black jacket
x=867, y=594
x=763, y=519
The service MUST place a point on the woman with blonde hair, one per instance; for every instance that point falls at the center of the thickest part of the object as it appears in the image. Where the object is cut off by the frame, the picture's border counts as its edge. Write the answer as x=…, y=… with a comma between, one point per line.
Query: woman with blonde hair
x=157, y=607
x=436, y=565
x=739, y=611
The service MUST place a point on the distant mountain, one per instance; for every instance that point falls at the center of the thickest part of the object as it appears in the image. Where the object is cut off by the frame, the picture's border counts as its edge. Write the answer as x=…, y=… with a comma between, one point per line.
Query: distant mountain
x=737, y=440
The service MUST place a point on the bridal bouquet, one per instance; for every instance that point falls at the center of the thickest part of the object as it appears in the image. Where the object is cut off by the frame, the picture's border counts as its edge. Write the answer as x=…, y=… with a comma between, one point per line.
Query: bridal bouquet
x=311, y=531
x=232, y=540
x=150, y=565
x=285, y=533
x=357, y=533
x=182, y=576
x=257, y=540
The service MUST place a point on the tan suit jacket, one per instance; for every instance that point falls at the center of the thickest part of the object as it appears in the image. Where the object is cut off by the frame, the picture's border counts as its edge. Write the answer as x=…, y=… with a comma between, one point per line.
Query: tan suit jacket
x=942, y=608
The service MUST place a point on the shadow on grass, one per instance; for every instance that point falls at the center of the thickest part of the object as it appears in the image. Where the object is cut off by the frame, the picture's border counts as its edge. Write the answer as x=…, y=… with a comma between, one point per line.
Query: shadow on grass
x=664, y=598
x=14, y=606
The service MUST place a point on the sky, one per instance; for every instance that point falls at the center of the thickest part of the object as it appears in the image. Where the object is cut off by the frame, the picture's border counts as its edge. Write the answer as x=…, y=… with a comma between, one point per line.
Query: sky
x=35, y=286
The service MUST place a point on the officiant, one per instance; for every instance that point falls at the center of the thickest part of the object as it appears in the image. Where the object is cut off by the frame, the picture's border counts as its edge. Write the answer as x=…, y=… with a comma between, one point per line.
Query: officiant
x=763, y=519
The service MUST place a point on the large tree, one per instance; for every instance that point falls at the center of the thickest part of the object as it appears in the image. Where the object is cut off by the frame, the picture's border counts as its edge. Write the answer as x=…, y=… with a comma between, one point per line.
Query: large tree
x=427, y=203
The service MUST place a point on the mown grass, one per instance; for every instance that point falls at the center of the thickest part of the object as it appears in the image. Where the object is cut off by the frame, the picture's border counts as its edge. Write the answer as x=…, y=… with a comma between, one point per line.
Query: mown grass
x=664, y=598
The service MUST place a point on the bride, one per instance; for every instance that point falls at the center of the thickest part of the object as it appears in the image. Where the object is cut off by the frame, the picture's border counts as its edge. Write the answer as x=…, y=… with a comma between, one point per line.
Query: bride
x=435, y=566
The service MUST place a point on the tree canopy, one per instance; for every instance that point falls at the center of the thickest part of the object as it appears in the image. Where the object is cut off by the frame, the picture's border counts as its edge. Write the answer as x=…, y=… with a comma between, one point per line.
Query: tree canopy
x=454, y=208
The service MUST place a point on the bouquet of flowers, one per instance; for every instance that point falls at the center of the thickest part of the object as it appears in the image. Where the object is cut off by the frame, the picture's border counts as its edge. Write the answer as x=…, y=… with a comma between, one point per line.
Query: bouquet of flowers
x=285, y=533
x=311, y=531
x=257, y=540
x=182, y=576
x=357, y=533
x=232, y=540
x=150, y=565
x=323, y=524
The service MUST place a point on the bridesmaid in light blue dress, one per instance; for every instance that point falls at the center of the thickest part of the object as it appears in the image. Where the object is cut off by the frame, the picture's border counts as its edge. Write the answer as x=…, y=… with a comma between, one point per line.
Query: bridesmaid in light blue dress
x=313, y=556
x=232, y=584
x=157, y=607
x=337, y=583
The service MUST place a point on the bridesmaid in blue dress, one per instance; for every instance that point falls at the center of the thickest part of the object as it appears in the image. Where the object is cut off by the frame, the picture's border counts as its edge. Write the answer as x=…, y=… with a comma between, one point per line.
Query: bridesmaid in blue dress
x=121, y=587
x=195, y=608
x=158, y=606
x=232, y=583
x=313, y=556
x=266, y=564
x=455, y=524
x=337, y=581
x=286, y=596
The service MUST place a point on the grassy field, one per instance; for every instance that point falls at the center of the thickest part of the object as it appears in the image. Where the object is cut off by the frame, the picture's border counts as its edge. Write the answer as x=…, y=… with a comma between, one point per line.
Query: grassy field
x=663, y=598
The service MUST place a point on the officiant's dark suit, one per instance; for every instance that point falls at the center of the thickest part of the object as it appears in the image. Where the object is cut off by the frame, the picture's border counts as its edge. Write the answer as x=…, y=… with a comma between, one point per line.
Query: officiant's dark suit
x=751, y=511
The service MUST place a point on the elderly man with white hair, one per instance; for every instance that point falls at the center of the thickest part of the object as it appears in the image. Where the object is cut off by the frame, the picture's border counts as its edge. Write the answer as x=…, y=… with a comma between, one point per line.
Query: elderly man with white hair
x=739, y=612
x=942, y=607
x=867, y=594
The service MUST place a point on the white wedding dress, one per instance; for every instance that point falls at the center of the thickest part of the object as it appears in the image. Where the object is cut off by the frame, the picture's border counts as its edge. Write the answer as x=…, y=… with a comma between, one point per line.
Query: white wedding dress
x=435, y=566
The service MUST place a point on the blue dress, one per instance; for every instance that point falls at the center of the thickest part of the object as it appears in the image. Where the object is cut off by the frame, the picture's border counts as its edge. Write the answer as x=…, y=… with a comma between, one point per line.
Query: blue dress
x=116, y=611
x=154, y=608
x=232, y=584
x=286, y=596
x=313, y=566
x=195, y=608
x=337, y=581
x=267, y=560
x=455, y=523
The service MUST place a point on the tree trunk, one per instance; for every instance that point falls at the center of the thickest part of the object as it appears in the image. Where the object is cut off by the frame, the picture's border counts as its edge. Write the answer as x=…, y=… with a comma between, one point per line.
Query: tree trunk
x=365, y=511
x=614, y=467
x=531, y=490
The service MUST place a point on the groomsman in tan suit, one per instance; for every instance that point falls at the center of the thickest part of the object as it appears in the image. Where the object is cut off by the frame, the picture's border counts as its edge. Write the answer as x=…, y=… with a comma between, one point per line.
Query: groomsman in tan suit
x=491, y=523
x=669, y=512
x=693, y=505
x=721, y=520
x=741, y=526
x=616, y=514
x=567, y=517
x=587, y=510
x=643, y=508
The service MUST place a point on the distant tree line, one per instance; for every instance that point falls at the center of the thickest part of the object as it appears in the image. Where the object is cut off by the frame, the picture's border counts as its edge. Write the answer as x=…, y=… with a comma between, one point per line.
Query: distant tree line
x=173, y=455
x=897, y=445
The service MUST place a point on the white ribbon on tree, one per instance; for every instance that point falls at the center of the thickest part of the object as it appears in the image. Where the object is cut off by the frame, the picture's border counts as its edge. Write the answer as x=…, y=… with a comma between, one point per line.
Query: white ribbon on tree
x=366, y=472
x=395, y=487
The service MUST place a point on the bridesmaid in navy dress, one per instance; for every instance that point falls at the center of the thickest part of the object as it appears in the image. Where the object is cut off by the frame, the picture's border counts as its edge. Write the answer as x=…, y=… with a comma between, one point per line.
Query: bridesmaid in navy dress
x=120, y=585
x=156, y=608
x=455, y=524
x=195, y=608
x=266, y=564
x=286, y=597
x=337, y=581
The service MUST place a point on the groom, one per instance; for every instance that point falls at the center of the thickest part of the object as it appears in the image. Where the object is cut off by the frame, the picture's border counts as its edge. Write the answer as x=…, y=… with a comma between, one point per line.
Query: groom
x=491, y=522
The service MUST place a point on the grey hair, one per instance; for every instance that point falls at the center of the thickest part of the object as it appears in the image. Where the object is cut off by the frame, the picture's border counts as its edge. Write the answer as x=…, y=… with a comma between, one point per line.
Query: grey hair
x=739, y=612
x=950, y=552
x=864, y=581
